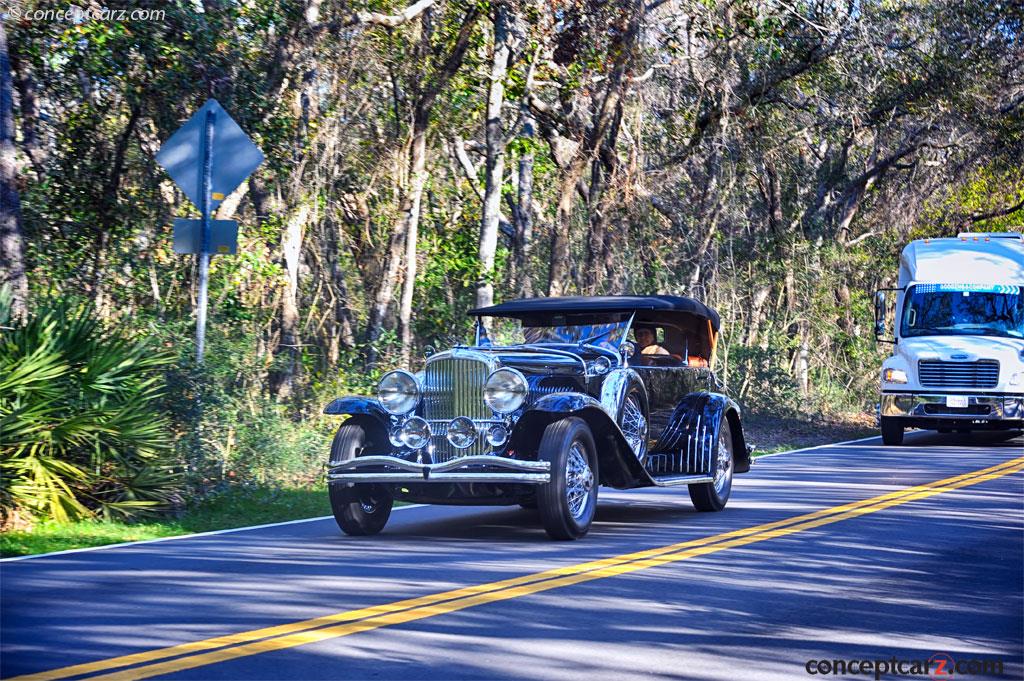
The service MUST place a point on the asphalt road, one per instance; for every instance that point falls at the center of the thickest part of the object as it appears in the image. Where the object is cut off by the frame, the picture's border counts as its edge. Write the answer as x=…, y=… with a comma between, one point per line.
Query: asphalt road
x=924, y=570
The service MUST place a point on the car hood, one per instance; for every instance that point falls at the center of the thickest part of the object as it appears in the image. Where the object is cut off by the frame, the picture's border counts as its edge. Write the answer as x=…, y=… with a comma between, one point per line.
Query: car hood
x=537, y=360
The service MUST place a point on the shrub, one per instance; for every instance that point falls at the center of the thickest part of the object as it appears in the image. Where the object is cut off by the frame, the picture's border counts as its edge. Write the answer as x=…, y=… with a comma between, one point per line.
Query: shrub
x=80, y=433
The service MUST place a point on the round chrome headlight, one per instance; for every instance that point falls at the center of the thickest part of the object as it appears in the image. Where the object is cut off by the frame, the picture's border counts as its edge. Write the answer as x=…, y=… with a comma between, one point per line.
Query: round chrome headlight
x=461, y=432
x=415, y=433
x=398, y=392
x=505, y=390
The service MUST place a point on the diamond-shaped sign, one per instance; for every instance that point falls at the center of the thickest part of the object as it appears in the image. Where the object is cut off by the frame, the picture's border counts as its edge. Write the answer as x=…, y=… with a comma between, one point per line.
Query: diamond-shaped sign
x=234, y=155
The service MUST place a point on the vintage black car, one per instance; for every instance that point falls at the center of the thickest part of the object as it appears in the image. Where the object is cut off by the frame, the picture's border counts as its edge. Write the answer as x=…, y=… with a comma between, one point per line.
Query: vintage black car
x=544, y=418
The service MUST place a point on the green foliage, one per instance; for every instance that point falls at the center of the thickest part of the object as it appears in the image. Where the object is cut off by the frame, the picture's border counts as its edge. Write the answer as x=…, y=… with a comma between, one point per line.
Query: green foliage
x=761, y=379
x=986, y=192
x=80, y=432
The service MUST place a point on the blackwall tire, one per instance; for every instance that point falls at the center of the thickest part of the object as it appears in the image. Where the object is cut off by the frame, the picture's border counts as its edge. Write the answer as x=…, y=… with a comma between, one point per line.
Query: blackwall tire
x=892, y=431
x=568, y=502
x=362, y=509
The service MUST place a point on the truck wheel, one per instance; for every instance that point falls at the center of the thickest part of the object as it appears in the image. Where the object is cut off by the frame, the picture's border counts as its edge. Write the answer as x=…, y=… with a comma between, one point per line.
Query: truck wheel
x=361, y=509
x=892, y=431
x=567, y=504
x=713, y=496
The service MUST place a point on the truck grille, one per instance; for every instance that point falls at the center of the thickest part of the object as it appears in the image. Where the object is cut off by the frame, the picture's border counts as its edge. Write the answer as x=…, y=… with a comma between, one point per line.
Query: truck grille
x=936, y=373
x=454, y=386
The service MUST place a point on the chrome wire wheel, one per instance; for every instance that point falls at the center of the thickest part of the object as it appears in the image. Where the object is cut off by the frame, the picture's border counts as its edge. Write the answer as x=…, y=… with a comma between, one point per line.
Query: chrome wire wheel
x=579, y=480
x=634, y=425
x=723, y=462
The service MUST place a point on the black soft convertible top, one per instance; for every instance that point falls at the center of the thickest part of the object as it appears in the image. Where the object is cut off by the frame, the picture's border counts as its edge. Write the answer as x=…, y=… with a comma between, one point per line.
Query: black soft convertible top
x=534, y=307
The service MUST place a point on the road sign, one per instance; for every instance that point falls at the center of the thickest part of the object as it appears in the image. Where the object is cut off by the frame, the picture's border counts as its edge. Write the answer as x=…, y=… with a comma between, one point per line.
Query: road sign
x=234, y=156
x=188, y=236
x=207, y=157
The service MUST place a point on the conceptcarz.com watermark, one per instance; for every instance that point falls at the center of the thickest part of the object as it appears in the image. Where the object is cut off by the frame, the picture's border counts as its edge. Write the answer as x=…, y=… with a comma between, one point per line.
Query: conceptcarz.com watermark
x=939, y=667
x=73, y=14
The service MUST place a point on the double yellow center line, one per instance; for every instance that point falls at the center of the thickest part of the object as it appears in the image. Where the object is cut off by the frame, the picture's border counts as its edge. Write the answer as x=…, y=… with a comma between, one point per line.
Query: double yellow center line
x=223, y=648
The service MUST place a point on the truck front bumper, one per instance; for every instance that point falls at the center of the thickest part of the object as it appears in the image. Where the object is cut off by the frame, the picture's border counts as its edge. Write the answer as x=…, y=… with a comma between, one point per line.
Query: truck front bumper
x=482, y=468
x=930, y=409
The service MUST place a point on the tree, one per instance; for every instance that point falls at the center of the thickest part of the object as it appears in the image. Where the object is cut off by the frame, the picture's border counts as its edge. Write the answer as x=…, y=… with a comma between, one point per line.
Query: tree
x=12, y=248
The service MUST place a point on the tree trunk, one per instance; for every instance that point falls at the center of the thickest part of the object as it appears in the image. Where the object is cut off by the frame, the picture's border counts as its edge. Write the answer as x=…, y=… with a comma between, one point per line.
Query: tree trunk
x=341, y=331
x=595, y=228
x=495, y=170
x=558, y=274
x=29, y=111
x=289, y=349
x=384, y=292
x=12, y=241
x=108, y=211
x=774, y=197
x=411, y=220
x=524, y=214
x=602, y=175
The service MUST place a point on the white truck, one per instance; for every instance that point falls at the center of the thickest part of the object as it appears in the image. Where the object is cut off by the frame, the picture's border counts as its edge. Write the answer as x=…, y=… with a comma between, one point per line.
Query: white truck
x=958, y=357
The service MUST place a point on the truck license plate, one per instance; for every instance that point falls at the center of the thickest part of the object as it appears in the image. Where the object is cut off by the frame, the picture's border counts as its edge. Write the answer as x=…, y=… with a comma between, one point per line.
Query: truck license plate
x=956, y=401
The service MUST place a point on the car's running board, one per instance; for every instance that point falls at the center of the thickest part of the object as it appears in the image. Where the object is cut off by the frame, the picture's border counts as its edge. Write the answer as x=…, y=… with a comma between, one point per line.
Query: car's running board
x=681, y=480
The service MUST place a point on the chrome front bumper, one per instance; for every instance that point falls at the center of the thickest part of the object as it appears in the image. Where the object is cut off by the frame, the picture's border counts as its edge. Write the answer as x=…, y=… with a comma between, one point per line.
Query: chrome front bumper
x=933, y=406
x=481, y=468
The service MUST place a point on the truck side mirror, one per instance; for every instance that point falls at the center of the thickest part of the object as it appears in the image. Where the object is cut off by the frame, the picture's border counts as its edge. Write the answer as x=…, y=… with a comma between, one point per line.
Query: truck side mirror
x=880, y=321
x=879, y=313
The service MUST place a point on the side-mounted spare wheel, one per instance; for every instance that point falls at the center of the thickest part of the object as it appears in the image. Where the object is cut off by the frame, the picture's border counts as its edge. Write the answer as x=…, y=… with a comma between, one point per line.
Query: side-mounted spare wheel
x=712, y=496
x=567, y=504
x=361, y=509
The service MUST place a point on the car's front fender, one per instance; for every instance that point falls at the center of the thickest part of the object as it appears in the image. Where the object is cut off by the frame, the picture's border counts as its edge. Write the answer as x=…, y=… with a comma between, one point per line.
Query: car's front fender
x=617, y=463
x=356, y=404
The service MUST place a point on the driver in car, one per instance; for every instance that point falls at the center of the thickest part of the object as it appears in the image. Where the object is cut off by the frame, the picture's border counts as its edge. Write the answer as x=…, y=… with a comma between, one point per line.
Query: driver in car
x=646, y=341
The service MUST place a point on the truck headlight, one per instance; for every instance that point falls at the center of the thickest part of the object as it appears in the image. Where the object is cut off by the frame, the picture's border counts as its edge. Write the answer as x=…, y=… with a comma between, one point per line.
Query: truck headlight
x=398, y=392
x=894, y=376
x=505, y=390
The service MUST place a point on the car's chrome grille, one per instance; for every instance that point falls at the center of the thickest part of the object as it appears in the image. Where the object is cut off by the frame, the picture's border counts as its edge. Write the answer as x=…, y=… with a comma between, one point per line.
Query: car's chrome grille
x=936, y=373
x=454, y=386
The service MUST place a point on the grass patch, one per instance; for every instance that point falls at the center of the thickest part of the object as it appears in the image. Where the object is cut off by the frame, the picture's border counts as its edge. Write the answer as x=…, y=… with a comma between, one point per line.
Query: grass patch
x=234, y=507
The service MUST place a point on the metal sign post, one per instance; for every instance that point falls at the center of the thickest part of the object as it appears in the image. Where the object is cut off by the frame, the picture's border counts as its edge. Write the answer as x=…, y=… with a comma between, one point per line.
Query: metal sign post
x=204, y=251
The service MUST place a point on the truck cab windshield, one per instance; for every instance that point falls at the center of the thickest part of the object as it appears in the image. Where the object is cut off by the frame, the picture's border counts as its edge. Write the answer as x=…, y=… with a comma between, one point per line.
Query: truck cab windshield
x=963, y=310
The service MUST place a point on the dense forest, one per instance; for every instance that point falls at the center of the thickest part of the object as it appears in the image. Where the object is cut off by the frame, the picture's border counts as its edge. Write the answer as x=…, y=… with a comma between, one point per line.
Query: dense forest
x=424, y=158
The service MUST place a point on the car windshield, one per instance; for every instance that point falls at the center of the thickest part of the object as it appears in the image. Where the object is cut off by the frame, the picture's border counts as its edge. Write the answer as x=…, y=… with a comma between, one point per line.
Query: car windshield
x=963, y=310
x=608, y=335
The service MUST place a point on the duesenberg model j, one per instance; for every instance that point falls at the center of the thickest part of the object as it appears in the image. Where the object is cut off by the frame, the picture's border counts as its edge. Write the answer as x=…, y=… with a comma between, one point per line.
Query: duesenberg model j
x=564, y=403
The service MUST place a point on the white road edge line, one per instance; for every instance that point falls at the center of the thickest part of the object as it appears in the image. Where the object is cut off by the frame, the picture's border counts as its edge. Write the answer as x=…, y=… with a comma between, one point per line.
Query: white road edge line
x=808, y=449
x=324, y=517
x=182, y=536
